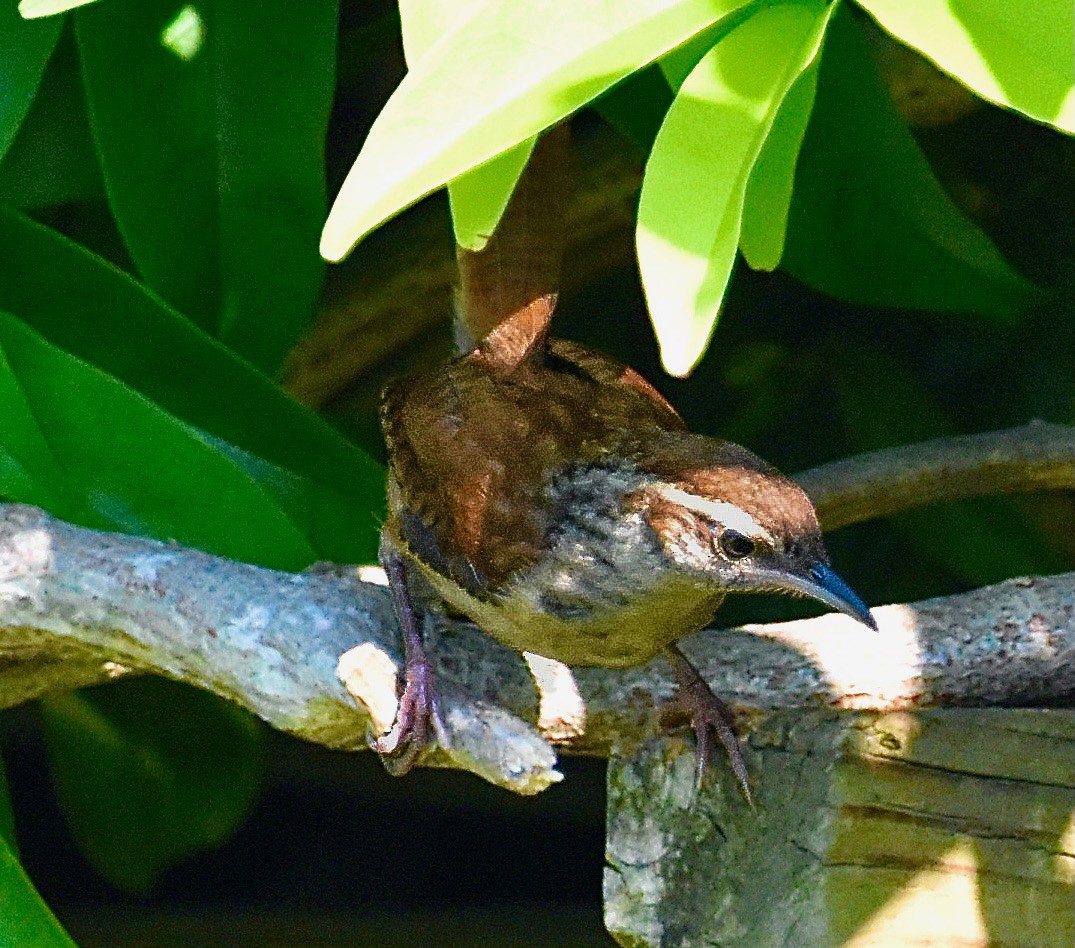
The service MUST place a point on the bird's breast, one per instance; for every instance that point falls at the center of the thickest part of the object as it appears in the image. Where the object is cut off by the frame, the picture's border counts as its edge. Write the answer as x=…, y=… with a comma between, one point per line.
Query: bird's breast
x=606, y=634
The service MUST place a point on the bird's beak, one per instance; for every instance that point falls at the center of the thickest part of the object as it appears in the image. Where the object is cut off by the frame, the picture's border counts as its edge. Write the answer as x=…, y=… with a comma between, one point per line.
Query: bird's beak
x=824, y=584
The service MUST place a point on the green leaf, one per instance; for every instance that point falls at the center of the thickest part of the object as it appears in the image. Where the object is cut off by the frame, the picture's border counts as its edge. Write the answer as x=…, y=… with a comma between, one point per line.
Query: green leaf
x=477, y=198
x=30, y=472
x=498, y=78
x=128, y=465
x=210, y=123
x=676, y=65
x=636, y=106
x=869, y=222
x=149, y=772
x=1018, y=55
x=768, y=196
x=25, y=919
x=691, y=207
x=52, y=159
x=24, y=51
x=86, y=307
x=980, y=541
x=7, y=817
x=31, y=9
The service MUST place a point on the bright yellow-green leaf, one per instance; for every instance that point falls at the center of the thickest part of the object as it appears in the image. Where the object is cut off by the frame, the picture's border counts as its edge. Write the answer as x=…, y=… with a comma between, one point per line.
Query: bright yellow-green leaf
x=1017, y=54
x=498, y=78
x=32, y=9
x=479, y=197
x=693, y=192
x=768, y=197
x=677, y=65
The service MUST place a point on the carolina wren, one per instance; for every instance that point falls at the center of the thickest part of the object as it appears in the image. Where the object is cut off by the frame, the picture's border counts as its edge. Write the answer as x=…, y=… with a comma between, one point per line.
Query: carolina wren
x=555, y=498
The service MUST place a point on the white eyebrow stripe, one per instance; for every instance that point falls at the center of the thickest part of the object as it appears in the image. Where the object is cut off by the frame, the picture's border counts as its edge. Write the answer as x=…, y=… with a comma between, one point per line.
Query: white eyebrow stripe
x=721, y=511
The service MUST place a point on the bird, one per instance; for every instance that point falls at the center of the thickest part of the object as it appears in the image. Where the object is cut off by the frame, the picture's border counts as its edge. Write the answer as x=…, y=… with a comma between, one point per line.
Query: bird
x=555, y=498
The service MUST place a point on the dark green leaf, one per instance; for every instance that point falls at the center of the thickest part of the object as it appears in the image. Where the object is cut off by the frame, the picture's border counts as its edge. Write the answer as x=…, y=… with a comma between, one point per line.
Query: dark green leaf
x=636, y=106
x=883, y=405
x=25, y=48
x=98, y=314
x=29, y=470
x=150, y=772
x=210, y=122
x=52, y=160
x=25, y=920
x=869, y=221
x=131, y=466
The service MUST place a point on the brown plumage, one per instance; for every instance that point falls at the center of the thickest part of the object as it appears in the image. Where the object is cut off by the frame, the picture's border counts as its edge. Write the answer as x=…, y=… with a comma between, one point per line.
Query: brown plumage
x=473, y=447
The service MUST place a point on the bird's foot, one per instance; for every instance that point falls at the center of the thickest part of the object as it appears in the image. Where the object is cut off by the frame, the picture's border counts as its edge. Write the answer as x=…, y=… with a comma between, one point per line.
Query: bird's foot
x=417, y=720
x=708, y=715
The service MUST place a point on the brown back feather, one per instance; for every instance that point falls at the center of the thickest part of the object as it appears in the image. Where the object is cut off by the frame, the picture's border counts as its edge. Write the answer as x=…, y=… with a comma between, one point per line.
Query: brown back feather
x=473, y=451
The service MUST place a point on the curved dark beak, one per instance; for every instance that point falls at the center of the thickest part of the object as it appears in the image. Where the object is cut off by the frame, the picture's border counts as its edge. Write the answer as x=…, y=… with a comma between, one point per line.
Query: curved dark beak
x=824, y=584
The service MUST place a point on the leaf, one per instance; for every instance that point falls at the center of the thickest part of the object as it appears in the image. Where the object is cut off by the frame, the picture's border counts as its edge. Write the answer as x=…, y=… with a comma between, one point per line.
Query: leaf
x=24, y=51
x=210, y=123
x=636, y=106
x=29, y=471
x=126, y=464
x=1018, y=55
x=495, y=80
x=86, y=307
x=7, y=817
x=691, y=207
x=478, y=197
x=52, y=159
x=981, y=541
x=676, y=65
x=869, y=222
x=768, y=196
x=31, y=9
x=25, y=919
x=149, y=772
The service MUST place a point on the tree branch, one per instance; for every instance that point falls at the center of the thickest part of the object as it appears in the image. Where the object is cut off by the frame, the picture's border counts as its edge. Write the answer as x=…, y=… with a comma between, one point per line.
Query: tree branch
x=79, y=606
x=1036, y=456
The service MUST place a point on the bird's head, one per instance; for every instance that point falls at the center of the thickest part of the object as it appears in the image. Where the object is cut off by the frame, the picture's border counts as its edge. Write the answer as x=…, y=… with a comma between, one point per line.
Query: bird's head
x=724, y=516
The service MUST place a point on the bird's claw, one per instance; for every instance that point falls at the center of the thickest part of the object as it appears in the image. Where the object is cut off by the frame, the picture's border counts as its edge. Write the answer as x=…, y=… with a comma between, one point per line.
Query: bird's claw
x=708, y=715
x=417, y=721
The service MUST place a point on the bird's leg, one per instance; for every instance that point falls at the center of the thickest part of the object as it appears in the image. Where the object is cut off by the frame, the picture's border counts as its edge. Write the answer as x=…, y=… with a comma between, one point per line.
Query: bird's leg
x=417, y=717
x=694, y=699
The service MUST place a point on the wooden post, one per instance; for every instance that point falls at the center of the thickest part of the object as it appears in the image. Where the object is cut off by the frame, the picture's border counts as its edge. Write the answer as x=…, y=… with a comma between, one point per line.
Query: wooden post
x=943, y=827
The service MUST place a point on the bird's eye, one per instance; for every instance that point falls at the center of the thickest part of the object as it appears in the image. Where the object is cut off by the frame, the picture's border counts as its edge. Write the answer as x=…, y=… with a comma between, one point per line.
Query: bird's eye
x=735, y=544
